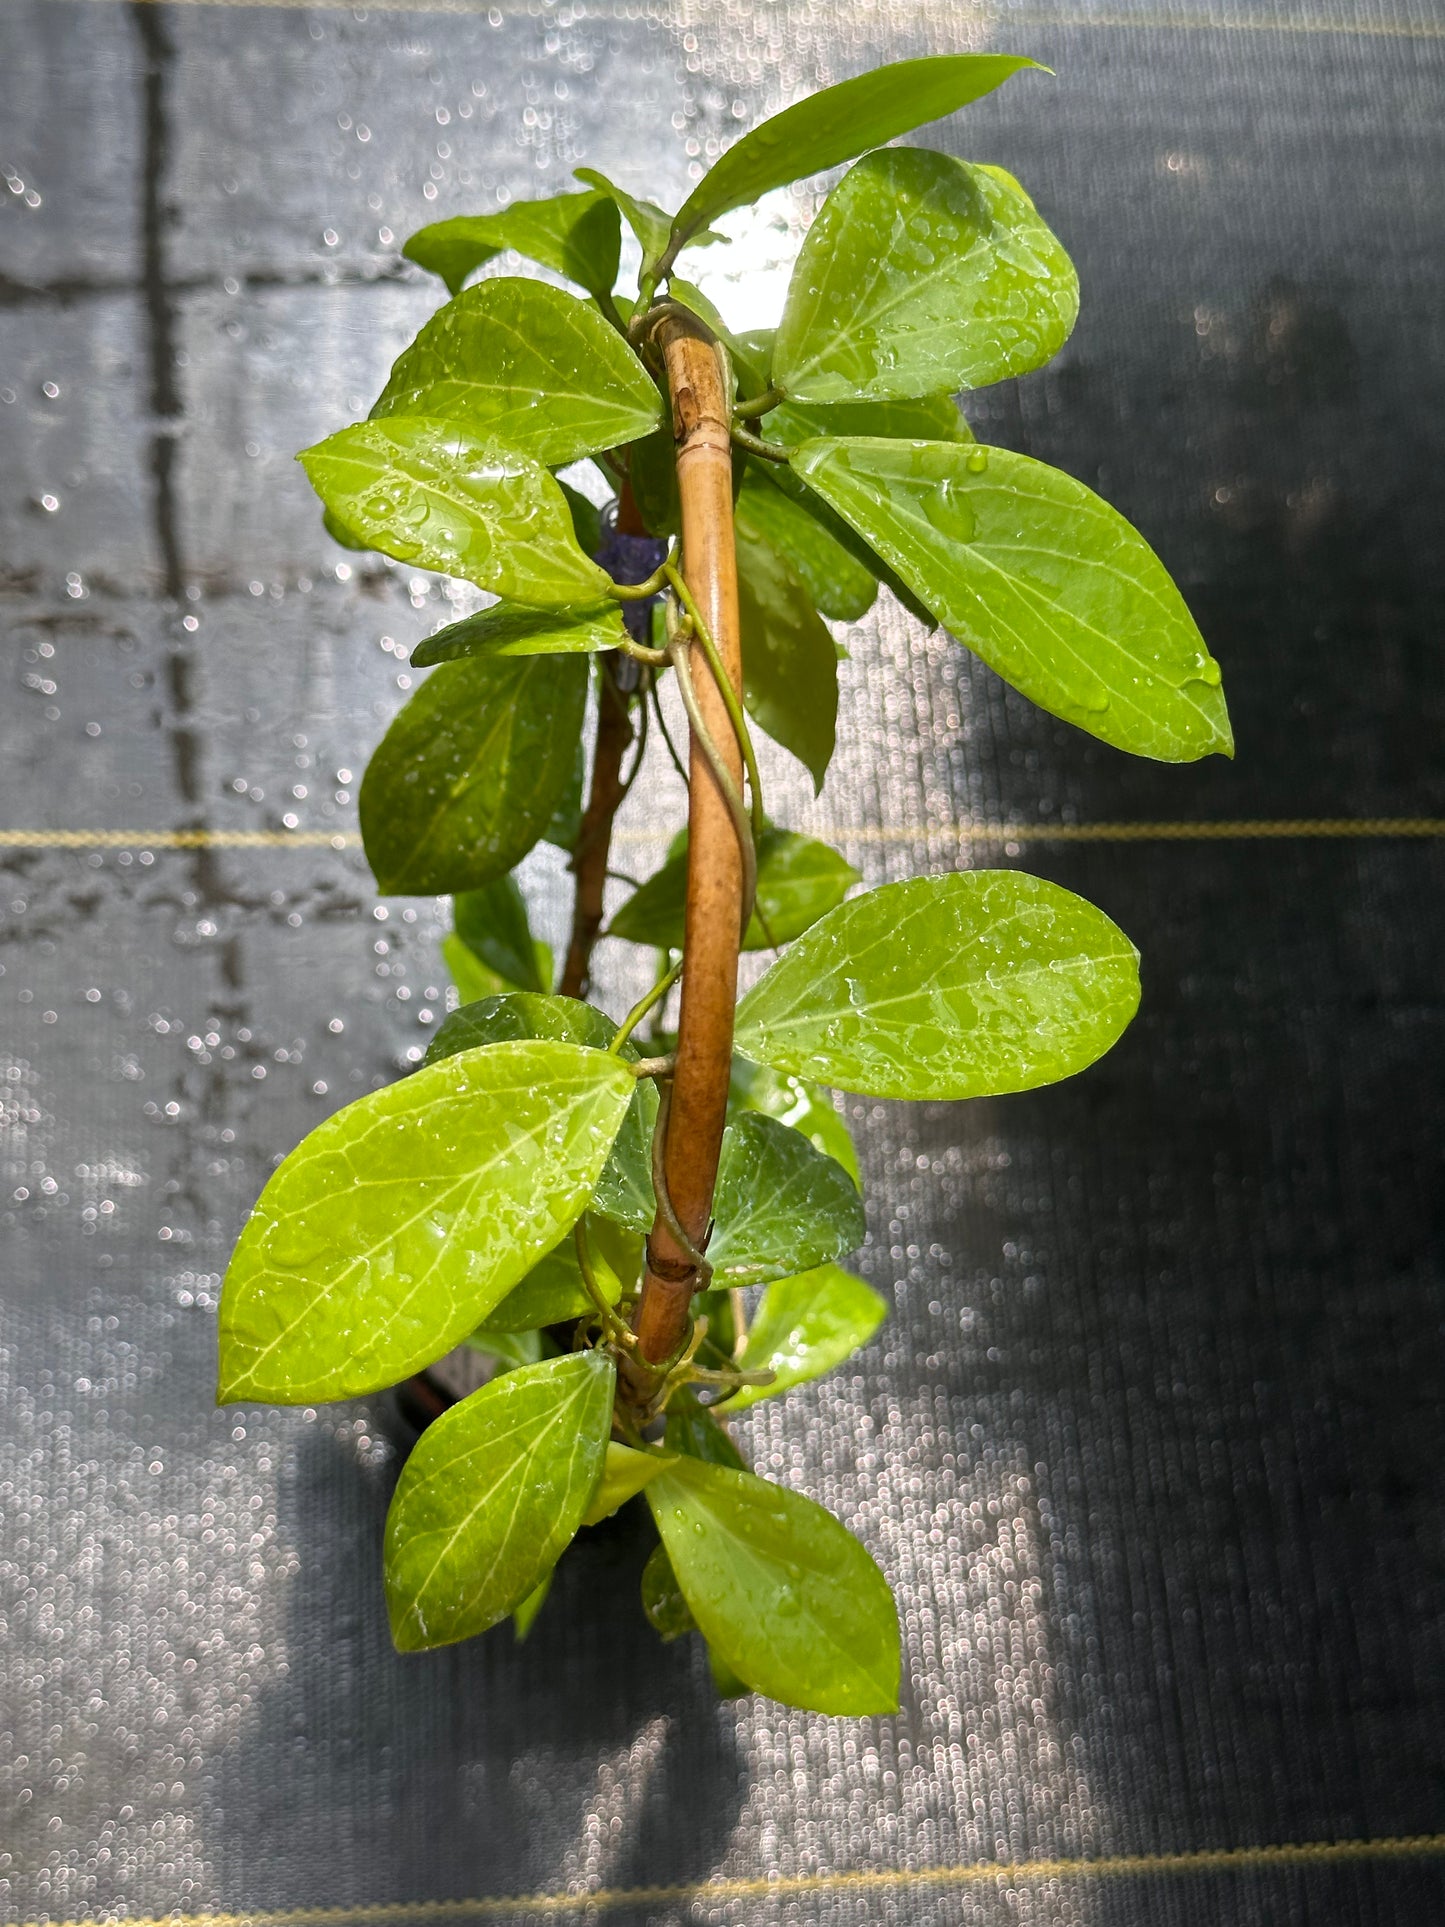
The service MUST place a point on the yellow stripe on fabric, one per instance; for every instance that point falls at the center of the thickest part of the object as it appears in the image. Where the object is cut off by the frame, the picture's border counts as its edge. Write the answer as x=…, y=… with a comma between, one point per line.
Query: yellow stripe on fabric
x=1279, y=829
x=1005, y=1874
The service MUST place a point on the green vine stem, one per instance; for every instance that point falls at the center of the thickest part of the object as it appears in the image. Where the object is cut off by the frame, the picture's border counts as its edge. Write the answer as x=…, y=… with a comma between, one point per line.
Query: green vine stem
x=644, y=1004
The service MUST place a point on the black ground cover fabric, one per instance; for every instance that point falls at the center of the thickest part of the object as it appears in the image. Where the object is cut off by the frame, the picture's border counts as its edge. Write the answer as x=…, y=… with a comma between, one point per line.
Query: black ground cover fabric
x=1151, y=1443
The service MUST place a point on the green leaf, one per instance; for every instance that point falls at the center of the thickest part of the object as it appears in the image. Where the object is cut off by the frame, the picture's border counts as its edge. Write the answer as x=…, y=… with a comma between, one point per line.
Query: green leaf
x=696, y=302
x=491, y=1496
x=946, y=987
x=787, y=1596
x=662, y=1598
x=780, y=1205
x=752, y=353
x=576, y=235
x=839, y=585
x=805, y=1326
x=726, y=1683
x=840, y=123
x=552, y=1293
x=921, y=274
x=624, y=1192
x=692, y=1430
x=624, y=1474
x=524, y=1616
x=566, y=824
x=798, y=880
x=527, y=365
x=929, y=418
x=586, y=518
x=474, y=980
x=470, y=772
x=647, y=221
x=794, y=1101
x=340, y=534
x=716, y=1306
x=652, y=471
x=434, y=494
x=390, y=1232
x=471, y=976
x=1049, y=585
x=492, y=923
x=509, y=629
x=510, y=1349
x=790, y=667
x=848, y=539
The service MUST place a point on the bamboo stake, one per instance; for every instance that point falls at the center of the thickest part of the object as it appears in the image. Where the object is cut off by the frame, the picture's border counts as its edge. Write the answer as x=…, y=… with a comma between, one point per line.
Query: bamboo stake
x=698, y=1108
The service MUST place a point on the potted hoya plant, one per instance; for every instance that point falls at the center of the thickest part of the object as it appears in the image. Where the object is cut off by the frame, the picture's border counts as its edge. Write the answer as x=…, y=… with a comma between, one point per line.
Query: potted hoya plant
x=642, y=1217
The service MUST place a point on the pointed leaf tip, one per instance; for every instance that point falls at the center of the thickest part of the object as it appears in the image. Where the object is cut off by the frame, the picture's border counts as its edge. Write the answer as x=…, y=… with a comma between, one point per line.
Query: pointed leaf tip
x=1041, y=578
x=789, y=1599
x=970, y=985
x=491, y=1496
x=391, y=1231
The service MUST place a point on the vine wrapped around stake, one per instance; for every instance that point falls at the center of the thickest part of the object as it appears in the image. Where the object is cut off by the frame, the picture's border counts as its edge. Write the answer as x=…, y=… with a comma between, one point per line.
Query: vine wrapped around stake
x=716, y=865
x=645, y=1241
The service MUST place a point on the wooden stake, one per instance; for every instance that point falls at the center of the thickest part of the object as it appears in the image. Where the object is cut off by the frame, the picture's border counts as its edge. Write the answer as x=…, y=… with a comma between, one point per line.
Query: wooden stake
x=700, y=409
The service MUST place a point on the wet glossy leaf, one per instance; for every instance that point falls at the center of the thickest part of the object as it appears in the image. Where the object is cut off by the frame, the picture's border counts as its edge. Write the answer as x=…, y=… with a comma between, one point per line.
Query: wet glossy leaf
x=929, y=418
x=576, y=235
x=339, y=532
x=470, y=772
x=624, y=1192
x=839, y=585
x=840, y=123
x=799, y=879
x=791, y=484
x=492, y=923
x=391, y=1231
x=781, y=1206
x=790, y=667
x=624, y=1474
x=922, y=274
x=805, y=1326
x=1048, y=584
x=794, y=1101
x=786, y=1595
x=662, y=1598
x=492, y=1494
x=434, y=494
x=528, y=365
x=552, y=1293
x=524, y=1616
x=509, y=629
x=944, y=987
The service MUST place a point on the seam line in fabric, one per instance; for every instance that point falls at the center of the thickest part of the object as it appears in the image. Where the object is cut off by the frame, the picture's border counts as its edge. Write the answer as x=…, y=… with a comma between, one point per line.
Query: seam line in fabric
x=1222, y=1860
x=1277, y=829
